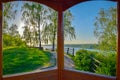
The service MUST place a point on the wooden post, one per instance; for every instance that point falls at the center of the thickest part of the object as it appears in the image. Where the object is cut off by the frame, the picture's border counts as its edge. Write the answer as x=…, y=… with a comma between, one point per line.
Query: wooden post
x=118, y=45
x=60, y=44
x=73, y=51
x=67, y=50
x=0, y=40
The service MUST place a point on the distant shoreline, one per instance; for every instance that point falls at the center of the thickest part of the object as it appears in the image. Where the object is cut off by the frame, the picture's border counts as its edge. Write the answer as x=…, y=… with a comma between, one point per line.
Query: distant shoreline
x=75, y=46
x=71, y=44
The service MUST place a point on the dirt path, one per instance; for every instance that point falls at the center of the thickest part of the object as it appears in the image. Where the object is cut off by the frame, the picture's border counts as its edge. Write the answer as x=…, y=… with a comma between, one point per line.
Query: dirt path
x=68, y=63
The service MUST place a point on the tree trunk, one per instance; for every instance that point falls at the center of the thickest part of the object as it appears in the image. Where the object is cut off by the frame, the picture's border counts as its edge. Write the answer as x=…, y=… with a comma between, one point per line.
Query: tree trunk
x=53, y=44
x=39, y=33
x=30, y=37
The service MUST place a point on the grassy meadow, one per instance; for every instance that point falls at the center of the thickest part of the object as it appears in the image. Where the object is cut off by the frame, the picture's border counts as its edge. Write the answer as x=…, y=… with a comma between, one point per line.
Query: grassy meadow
x=22, y=59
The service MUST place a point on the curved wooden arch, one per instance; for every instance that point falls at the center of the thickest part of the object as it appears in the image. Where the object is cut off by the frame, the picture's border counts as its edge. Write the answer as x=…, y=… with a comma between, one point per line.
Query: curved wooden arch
x=60, y=6
x=55, y=4
x=51, y=4
x=71, y=3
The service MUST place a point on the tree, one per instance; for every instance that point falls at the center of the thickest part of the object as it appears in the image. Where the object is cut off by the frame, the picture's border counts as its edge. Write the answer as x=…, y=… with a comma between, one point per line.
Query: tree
x=106, y=29
x=11, y=36
x=27, y=35
x=13, y=30
x=41, y=16
x=69, y=31
x=35, y=15
x=9, y=13
x=28, y=18
x=50, y=31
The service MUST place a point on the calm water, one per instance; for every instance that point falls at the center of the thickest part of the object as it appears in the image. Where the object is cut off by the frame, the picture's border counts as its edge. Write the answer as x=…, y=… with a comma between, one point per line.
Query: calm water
x=76, y=47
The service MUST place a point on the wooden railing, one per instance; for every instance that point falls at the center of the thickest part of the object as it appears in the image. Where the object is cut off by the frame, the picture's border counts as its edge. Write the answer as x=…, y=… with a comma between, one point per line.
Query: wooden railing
x=70, y=51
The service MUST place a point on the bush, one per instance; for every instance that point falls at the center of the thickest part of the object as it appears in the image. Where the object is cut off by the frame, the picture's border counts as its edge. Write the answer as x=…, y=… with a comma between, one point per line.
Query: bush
x=12, y=41
x=107, y=65
x=83, y=60
x=96, y=62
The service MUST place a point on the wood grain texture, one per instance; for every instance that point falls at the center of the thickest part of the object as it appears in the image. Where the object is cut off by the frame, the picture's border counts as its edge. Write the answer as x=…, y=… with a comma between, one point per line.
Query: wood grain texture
x=77, y=75
x=46, y=75
x=0, y=40
x=60, y=74
x=60, y=44
x=118, y=45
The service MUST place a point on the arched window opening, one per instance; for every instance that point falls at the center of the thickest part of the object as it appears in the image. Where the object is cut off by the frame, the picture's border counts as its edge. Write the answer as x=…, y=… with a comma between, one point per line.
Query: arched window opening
x=90, y=32
x=29, y=37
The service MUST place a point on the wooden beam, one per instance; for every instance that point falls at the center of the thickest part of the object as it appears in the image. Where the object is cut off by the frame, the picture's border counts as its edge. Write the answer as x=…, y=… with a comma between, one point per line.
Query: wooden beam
x=118, y=45
x=60, y=44
x=0, y=40
x=50, y=3
x=69, y=3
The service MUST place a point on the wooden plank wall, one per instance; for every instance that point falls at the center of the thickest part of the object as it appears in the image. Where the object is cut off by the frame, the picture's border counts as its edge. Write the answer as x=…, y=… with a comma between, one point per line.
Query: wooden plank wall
x=77, y=75
x=46, y=75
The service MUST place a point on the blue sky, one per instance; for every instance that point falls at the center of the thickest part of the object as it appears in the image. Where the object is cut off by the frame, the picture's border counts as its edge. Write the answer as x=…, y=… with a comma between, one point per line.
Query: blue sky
x=84, y=18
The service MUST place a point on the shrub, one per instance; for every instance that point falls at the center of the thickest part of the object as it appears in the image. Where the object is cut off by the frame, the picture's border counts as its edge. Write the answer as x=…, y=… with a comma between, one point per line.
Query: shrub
x=98, y=62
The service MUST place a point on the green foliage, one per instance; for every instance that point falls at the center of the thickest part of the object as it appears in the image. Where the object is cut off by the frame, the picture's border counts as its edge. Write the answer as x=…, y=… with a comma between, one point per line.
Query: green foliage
x=41, y=24
x=35, y=17
x=30, y=32
x=13, y=30
x=107, y=65
x=69, y=30
x=9, y=14
x=11, y=36
x=106, y=29
x=50, y=30
x=22, y=59
x=9, y=40
x=97, y=62
x=83, y=60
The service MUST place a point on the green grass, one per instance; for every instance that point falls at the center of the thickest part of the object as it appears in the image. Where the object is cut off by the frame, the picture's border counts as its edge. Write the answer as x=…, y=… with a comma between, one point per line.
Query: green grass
x=22, y=59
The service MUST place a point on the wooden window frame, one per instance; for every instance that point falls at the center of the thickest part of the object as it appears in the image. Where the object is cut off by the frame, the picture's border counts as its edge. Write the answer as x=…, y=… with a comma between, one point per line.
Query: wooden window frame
x=61, y=73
